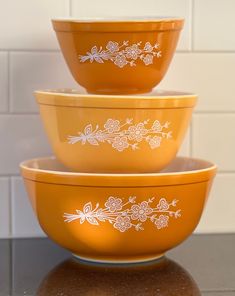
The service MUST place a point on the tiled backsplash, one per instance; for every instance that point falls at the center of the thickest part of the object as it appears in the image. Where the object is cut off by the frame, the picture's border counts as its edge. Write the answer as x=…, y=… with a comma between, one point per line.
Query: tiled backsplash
x=30, y=59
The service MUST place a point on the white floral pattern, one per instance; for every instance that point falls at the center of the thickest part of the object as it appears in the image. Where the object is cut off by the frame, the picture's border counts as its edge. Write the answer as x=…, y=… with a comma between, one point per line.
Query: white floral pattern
x=113, y=204
x=155, y=142
x=122, y=136
x=122, y=223
x=123, y=54
x=112, y=126
x=141, y=211
x=125, y=215
x=162, y=221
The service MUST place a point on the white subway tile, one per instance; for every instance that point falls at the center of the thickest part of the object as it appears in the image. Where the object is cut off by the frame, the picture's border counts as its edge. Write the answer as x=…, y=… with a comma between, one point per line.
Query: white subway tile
x=121, y=8
x=214, y=26
x=22, y=137
x=26, y=24
x=3, y=82
x=24, y=222
x=4, y=208
x=213, y=139
x=219, y=215
x=31, y=71
x=210, y=75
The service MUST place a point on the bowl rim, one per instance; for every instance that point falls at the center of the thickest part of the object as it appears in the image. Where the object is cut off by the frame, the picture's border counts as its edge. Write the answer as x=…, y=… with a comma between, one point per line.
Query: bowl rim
x=118, y=24
x=158, y=99
x=108, y=19
x=118, y=179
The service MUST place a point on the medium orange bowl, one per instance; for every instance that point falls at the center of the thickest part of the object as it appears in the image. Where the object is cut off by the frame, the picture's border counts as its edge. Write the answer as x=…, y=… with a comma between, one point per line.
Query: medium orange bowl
x=119, y=56
x=127, y=134
x=118, y=217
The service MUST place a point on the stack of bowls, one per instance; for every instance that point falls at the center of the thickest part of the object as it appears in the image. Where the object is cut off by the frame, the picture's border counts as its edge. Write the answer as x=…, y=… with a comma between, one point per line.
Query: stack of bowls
x=116, y=192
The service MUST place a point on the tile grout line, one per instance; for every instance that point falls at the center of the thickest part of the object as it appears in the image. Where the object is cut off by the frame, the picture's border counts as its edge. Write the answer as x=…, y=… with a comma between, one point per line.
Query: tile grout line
x=192, y=25
x=25, y=50
x=191, y=139
x=70, y=7
x=8, y=82
x=19, y=113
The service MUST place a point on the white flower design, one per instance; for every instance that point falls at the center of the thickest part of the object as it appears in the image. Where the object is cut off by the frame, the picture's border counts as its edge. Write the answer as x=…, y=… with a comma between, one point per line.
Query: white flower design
x=157, y=126
x=122, y=223
x=123, y=54
x=124, y=135
x=163, y=205
x=113, y=204
x=112, y=46
x=141, y=211
x=123, y=215
x=112, y=125
x=155, y=142
x=133, y=51
x=136, y=132
x=162, y=221
x=148, y=47
x=148, y=59
x=120, y=61
x=120, y=143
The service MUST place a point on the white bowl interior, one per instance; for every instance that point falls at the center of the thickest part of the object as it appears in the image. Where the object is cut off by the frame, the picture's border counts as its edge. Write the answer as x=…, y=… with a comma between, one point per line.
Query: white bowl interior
x=179, y=164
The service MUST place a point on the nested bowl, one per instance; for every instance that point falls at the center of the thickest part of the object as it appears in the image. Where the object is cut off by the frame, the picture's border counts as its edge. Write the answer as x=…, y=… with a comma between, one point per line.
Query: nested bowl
x=118, y=217
x=119, y=56
x=115, y=134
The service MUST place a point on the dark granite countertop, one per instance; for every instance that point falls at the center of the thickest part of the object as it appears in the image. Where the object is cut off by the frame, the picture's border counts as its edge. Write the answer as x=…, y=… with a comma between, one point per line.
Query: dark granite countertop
x=203, y=265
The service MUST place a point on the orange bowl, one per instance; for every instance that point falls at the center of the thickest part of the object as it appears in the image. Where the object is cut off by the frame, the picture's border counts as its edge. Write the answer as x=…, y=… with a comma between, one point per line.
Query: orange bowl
x=118, y=56
x=118, y=217
x=94, y=133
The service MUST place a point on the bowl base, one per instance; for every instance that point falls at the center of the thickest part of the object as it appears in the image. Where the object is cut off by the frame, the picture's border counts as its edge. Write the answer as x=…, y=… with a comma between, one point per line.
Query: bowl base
x=118, y=91
x=130, y=261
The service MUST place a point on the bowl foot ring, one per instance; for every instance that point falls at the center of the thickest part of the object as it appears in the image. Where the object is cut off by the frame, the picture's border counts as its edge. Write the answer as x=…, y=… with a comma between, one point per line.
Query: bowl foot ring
x=115, y=262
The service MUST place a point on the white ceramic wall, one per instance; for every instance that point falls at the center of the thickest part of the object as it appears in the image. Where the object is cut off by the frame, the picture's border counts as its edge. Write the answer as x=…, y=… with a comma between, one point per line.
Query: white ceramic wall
x=30, y=59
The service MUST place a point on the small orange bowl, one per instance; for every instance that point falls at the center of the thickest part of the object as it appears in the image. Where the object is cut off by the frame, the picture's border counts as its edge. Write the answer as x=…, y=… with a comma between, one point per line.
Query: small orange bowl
x=119, y=56
x=118, y=217
x=115, y=134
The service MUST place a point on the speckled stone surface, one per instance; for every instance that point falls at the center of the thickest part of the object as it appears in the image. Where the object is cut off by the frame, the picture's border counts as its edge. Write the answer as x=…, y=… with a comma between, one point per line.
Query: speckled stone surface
x=203, y=265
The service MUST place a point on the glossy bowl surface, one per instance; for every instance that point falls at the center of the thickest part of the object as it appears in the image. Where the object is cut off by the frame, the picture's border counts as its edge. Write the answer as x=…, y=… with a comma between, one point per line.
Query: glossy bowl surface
x=115, y=134
x=118, y=217
x=119, y=56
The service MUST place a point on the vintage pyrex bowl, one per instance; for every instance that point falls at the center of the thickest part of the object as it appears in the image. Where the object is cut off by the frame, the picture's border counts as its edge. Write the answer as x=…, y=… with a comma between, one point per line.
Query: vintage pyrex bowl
x=118, y=217
x=72, y=277
x=104, y=133
x=119, y=56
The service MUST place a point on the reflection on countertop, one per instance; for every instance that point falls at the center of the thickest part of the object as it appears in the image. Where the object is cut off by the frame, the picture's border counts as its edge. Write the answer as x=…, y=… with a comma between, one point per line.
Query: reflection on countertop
x=164, y=277
x=203, y=265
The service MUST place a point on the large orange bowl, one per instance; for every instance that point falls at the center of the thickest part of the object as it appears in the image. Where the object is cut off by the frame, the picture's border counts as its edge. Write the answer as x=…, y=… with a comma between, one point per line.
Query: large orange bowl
x=118, y=217
x=104, y=133
x=119, y=56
